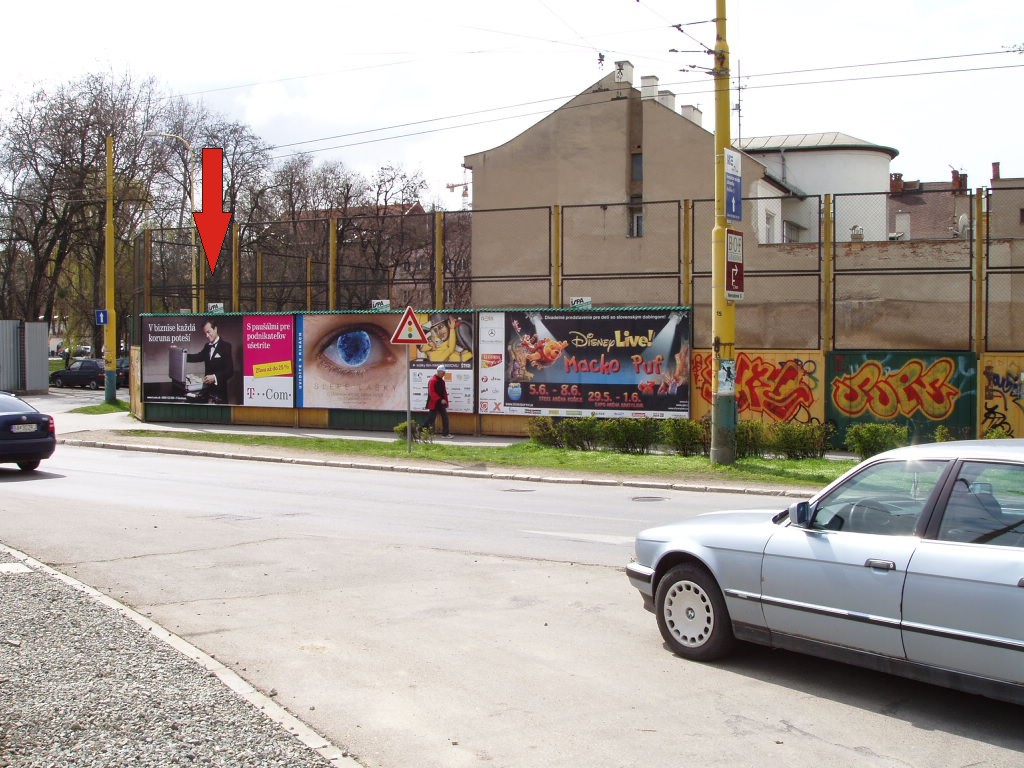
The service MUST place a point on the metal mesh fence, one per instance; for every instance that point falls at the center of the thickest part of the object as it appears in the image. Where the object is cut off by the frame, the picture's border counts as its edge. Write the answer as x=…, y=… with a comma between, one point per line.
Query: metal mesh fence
x=903, y=274
x=903, y=270
x=781, y=306
x=511, y=257
x=910, y=214
x=623, y=255
x=386, y=257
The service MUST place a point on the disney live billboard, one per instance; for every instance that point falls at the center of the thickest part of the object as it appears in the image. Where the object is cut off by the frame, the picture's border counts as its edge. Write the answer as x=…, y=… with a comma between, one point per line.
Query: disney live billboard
x=615, y=363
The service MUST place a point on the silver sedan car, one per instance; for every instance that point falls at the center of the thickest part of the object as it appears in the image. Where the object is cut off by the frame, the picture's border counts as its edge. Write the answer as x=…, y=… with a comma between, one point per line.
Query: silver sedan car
x=911, y=563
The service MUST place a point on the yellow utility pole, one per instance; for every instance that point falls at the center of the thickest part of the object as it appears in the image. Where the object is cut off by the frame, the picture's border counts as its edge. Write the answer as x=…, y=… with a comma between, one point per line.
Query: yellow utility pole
x=723, y=312
x=110, y=330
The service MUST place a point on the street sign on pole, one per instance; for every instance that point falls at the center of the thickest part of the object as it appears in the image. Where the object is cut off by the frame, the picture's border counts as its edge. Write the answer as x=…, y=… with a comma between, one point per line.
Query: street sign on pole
x=101, y=317
x=409, y=330
x=733, y=265
x=733, y=186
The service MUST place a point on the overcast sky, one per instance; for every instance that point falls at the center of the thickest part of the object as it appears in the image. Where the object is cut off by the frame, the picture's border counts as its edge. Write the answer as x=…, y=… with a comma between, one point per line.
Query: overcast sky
x=424, y=84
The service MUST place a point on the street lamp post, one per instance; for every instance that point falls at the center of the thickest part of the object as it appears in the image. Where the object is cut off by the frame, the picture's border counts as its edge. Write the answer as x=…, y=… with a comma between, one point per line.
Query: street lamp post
x=194, y=262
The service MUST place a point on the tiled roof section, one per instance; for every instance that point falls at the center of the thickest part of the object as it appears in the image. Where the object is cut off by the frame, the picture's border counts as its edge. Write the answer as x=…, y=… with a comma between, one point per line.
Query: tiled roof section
x=810, y=141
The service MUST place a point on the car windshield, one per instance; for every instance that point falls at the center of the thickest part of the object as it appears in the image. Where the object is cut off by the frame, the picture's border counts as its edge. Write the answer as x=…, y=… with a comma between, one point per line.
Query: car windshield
x=884, y=498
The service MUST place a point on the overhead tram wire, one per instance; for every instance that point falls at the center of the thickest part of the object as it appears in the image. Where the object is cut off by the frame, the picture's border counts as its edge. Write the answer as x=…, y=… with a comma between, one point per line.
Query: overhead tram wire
x=579, y=106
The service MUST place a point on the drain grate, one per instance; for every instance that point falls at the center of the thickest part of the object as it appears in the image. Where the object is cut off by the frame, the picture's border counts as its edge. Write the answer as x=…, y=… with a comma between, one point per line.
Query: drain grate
x=650, y=498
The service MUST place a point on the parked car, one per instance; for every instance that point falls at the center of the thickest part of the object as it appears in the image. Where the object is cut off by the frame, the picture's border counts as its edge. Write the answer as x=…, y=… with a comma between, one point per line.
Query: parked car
x=26, y=435
x=123, y=371
x=912, y=563
x=81, y=373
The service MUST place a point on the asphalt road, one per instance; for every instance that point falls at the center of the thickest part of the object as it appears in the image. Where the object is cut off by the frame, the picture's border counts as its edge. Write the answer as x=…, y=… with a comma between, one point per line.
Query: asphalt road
x=439, y=621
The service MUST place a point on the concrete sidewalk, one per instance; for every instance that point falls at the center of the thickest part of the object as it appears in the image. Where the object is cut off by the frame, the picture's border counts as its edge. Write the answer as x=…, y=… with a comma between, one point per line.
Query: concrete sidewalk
x=68, y=423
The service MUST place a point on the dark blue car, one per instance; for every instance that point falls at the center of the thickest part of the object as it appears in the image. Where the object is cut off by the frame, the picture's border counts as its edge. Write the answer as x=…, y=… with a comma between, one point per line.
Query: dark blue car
x=26, y=435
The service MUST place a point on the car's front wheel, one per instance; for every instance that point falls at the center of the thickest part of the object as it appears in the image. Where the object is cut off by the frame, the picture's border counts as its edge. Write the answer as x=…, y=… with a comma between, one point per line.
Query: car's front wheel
x=59, y=382
x=692, y=615
x=28, y=466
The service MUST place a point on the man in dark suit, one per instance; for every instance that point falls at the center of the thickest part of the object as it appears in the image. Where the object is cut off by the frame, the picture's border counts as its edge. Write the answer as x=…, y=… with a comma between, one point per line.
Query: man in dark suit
x=216, y=359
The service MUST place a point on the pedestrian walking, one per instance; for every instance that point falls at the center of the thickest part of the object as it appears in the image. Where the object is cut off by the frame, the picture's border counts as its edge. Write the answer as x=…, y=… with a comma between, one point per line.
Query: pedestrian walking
x=437, y=402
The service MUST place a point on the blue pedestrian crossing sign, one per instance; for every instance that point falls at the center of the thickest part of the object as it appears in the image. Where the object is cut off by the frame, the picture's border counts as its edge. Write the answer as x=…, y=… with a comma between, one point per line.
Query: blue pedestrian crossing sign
x=733, y=186
x=102, y=317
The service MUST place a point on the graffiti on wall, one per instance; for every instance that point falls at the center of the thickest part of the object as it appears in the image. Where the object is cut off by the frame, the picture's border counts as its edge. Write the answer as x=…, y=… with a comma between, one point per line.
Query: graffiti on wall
x=921, y=390
x=771, y=387
x=887, y=394
x=1004, y=394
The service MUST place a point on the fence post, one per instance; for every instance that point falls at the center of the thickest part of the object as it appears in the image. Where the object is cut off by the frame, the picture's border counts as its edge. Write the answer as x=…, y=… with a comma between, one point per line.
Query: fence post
x=332, y=265
x=556, y=252
x=980, y=334
x=687, y=253
x=827, y=236
x=439, y=259
x=259, y=280
x=236, y=267
x=980, y=235
x=147, y=270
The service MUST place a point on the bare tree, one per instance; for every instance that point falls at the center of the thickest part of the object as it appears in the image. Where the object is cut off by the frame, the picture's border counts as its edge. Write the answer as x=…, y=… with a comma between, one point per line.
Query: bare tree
x=54, y=158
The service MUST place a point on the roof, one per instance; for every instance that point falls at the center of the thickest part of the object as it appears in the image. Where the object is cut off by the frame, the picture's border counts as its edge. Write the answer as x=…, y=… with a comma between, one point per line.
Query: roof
x=810, y=141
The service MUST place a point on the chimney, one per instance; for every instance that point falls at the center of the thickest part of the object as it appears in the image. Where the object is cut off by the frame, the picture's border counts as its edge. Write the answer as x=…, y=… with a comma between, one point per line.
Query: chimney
x=691, y=113
x=648, y=87
x=668, y=99
x=895, y=183
x=995, y=171
x=624, y=72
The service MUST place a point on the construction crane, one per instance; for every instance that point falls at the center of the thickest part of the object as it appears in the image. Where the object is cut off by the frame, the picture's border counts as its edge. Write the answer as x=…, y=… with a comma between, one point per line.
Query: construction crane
x=465, y=192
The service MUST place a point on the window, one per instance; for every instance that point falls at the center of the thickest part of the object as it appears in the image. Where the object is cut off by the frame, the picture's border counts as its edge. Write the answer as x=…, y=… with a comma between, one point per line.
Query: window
x=636, y=222
x=637, y=173
x=884, y=499
x=791, y=232
x=1022, y=215
x=769, y=228
x=986, y=506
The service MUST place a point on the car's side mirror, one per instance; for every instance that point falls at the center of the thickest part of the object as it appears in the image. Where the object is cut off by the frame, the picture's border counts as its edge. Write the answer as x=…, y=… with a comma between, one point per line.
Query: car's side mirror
x=800, y=514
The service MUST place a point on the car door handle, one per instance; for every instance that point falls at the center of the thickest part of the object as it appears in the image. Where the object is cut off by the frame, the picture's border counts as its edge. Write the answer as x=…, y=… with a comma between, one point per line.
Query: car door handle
x=884, y=565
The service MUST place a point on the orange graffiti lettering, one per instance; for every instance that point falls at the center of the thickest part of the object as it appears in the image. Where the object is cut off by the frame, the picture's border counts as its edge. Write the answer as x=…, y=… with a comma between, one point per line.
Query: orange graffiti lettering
x=905, y=392
x=773, y=389
x=763, y=387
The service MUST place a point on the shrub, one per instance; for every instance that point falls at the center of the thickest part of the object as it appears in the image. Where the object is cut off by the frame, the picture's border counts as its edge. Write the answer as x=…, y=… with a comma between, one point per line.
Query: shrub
x=942, y=434
x=705, y=433
x=581, y=434
x=542, y=430
x=630, y=435
x=683, y=436
x=866, y=440
x=998, y=433
x=803, y=441
x=424, y=435
x=752, y=438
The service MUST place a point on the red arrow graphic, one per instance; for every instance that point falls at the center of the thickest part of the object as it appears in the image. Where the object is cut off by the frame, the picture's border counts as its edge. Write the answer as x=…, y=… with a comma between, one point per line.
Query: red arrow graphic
x=212, y=221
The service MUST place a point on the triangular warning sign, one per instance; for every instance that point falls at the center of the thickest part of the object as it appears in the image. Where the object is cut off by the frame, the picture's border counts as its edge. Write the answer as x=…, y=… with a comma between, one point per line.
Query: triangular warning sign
x=409, y=331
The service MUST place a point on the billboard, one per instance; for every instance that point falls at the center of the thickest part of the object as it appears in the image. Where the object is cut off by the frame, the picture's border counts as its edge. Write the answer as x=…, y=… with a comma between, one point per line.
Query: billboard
x=347, y=360
x=268, y=361
x=192, y=359
x=450, y=341
x=218, y=359
x=613, y=363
